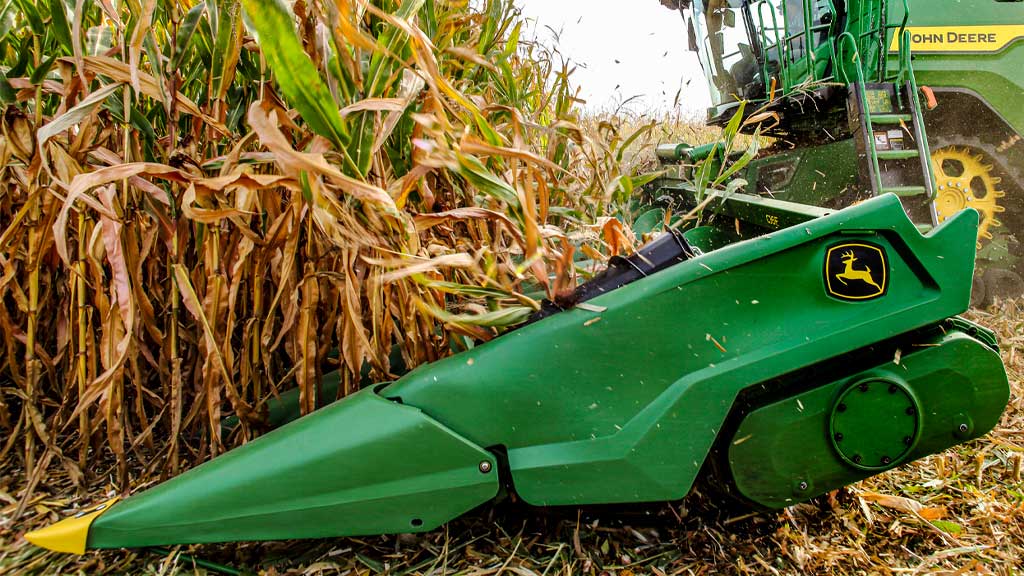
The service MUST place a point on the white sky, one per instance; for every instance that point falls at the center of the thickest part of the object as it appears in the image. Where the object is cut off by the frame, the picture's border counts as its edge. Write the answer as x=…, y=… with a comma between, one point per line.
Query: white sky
x=624, y=48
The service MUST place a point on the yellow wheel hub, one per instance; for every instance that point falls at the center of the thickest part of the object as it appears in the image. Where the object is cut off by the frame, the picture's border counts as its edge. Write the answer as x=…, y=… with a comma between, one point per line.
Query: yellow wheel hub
x=964, y=179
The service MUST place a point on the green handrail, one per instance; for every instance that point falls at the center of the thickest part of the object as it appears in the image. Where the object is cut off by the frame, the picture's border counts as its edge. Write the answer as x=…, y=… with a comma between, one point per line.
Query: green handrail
x=907, y=66
x=901, y=29
x=779, y=48
x=865, y=110
x=831, y=33
x=874, y=28
x=814, y=73
x=905, y=74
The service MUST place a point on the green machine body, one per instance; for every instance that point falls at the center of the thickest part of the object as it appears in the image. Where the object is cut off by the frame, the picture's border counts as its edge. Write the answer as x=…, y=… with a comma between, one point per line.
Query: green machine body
x=770, y=361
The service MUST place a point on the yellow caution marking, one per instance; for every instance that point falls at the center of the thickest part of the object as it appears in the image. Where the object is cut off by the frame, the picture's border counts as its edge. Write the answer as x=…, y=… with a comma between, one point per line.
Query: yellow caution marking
x=70, y=534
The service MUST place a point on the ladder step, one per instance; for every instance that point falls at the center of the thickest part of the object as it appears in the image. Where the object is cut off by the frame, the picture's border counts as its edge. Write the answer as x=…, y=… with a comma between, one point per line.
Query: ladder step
x=891, y=118
x=905, y=191
x=897, y=154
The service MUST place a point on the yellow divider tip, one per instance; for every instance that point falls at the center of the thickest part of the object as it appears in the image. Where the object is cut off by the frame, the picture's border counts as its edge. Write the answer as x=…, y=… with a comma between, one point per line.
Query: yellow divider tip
x=70, y=534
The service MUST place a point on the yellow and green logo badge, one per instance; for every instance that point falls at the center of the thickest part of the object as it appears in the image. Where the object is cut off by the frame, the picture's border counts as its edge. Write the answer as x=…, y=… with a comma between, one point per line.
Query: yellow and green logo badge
x=856, y=271
x=962, y=39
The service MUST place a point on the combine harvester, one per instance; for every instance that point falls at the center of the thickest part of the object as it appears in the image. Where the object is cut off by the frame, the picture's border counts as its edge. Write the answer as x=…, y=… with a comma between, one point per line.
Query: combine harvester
x=822, y=350
x=836, y=82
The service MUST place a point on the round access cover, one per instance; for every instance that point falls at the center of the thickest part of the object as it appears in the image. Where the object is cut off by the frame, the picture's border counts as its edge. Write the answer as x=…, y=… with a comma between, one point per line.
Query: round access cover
x=875, y=424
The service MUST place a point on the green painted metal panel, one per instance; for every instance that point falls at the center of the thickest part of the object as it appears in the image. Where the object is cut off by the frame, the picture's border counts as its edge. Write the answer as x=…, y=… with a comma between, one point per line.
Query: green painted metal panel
x=793, y=449
x=710, y=238
x=995, y=75
x=762, y=212
x=981, y=75
x=811, y=175
x=364, y=465
x=623, y=405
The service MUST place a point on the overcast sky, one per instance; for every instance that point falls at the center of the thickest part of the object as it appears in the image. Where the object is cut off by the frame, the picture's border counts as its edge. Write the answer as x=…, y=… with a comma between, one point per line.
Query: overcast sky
x=624, y=48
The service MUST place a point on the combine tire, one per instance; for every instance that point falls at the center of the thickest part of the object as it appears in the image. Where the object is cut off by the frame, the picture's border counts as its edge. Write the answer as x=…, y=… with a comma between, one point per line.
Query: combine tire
x=972, y=173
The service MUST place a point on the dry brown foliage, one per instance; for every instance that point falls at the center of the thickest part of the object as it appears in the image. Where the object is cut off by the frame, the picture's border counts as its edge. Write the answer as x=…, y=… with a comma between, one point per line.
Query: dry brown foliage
x=153, y=284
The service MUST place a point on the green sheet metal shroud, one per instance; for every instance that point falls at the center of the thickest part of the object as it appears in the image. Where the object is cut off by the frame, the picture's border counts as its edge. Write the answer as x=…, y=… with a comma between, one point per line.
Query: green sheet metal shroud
x=613, y=406
x=626, y=409
x=363, y=466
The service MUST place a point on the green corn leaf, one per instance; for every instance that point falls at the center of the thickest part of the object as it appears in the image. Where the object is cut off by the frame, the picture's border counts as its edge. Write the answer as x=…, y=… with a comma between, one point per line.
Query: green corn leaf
x=461, y=289
x=370, y=563
x=59, y=25
x=513, y=42
x=307, y=191
x=75, y=115
x=645, y=179
x=626, y=185
x=752, y=150
x=31, y=13
x=8, y=13
x=633, y=138
x=733, y=127
x=154, y=55
x=479, y=176
x=185, y=32
x=381, y=70
x=7, y=93
x=489, y=30
x=39, y=74
x=507, y=81
x=141, y=124
x=391, y=42
x=497, y=319
x=428, y=19
x=733, y=187
x=24, y=52
x=227, y=46
x=296, y=75
x=344, y=87
x=704, y=172
x=486, y=130
x=948, y=527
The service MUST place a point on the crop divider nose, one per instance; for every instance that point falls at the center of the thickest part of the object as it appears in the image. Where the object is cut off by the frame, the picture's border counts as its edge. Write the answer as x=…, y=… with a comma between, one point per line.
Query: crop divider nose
x=70, y=534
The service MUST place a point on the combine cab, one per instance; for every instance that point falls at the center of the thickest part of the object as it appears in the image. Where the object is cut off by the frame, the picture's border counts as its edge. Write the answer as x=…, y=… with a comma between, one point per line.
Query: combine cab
x=866, y=97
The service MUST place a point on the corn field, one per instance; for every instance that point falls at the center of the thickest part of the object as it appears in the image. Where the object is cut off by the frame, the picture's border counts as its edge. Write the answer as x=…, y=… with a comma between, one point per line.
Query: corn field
x=206, y=204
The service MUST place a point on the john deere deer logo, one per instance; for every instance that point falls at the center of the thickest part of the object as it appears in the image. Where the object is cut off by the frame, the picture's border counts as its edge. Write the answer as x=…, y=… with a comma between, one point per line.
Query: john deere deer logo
x=856, y=271
x=853, y=274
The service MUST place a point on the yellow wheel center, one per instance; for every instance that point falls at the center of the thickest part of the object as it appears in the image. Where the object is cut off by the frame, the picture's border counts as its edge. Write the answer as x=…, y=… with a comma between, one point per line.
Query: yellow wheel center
x=965, y=179
x=950, y=202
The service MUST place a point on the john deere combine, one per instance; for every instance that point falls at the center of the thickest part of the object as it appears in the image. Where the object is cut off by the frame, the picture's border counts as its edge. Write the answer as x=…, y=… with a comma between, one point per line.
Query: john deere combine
x=810, y=350
x=839, y=83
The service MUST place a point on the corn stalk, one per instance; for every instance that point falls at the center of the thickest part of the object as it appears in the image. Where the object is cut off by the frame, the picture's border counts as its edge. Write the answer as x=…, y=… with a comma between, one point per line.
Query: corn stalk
x=208, y=203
